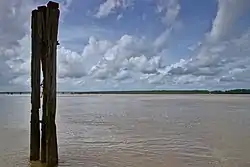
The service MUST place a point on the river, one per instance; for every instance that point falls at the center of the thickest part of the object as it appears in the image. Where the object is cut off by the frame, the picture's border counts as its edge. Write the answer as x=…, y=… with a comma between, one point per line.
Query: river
x=135, y=130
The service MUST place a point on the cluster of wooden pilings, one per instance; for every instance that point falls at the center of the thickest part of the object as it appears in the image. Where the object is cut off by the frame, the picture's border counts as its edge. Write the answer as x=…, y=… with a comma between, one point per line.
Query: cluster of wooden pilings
x=44, y=26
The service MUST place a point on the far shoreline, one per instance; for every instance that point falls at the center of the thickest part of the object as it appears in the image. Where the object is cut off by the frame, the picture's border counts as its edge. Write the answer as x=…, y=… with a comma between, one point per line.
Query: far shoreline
x=145, y=92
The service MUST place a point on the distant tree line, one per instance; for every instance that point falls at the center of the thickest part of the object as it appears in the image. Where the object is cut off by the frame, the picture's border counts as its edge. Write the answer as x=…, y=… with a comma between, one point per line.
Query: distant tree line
x=233, y=91
x=11, y=93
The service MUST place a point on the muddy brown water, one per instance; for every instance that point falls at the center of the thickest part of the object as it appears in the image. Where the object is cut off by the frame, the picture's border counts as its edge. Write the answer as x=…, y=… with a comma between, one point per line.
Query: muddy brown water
x=135, y=130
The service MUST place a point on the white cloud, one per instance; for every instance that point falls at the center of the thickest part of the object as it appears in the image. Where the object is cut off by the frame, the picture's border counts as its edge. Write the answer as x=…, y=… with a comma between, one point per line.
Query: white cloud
x=162, y=39
x=170, y=10
x=145, y=65
x=14, y=21
x=135, y=59
x=77, y=65
x=109, y=6
x=70, y=64
x=64, y=6
x=122, y=75
x=221, y=59
x=194, y=47
x=78, y=39
x=15, y=43
x=124, y=60
x=228, y=12
x=129, y=53
x=219, y=53
x=228, y=61
x=119, y=17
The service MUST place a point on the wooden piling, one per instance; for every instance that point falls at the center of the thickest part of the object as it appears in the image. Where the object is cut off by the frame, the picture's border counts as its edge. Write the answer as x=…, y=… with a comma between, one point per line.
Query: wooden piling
x=52, y=18
x=44, y=44
x=35, y=87
x=42, y=10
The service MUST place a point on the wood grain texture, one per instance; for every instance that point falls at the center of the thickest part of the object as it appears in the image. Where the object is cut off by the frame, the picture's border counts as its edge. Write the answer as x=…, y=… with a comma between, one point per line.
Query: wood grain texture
x=52, y=20
x=45, y=22
x=42, y=33
x=35, y=87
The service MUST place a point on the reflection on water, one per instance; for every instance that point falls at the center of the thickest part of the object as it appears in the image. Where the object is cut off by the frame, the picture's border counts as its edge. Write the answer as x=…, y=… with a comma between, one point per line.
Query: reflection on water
x=135, y=130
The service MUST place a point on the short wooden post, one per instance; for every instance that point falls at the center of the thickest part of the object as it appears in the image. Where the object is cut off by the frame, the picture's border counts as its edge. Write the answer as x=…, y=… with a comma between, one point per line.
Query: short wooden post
x=35, y=87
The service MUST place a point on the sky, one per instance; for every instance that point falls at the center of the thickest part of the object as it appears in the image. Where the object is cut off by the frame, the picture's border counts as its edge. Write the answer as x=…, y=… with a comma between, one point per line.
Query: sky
x=133, y=44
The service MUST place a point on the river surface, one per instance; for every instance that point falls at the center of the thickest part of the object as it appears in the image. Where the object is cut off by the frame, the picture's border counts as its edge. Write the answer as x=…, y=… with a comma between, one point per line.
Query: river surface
x=135, y=130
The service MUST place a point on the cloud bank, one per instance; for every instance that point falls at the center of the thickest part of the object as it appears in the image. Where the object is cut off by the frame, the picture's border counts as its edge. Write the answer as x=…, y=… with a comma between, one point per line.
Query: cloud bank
x=220, y=60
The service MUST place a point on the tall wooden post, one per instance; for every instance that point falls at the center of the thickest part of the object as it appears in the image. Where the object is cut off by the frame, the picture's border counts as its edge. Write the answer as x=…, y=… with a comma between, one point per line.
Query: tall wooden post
x=44, y=44
x=35, y=87
x=42, y=10
x=52, y=17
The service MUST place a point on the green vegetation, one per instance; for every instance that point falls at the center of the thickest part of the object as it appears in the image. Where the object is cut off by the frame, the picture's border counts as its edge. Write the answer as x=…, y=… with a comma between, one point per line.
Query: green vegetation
x=233, y=91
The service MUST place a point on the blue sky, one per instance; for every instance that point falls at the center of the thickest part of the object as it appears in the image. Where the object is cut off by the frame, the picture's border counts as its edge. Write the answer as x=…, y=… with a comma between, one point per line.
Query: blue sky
x=134, y=44
x=143, y=20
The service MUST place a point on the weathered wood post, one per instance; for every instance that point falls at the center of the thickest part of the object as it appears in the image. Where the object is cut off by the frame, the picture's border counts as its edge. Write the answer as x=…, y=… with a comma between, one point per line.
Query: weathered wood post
x=42, y=10
x=44, y=46
x=35, y=87
x=52, y=17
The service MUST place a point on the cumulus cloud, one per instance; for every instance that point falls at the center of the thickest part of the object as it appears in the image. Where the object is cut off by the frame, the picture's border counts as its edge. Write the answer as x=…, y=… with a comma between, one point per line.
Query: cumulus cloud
x=136, y=59
x=15, y=43
x=123, y=75
x=70, y=64
x=126, y=58
x=221, y=59
x=216, y=61
x=219, y=53
x=14, y=21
